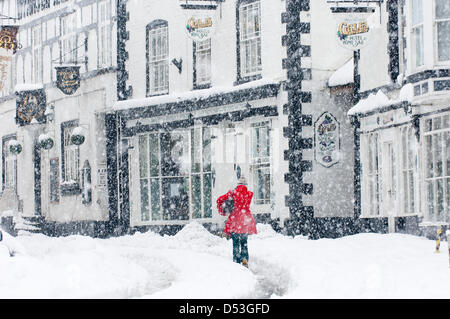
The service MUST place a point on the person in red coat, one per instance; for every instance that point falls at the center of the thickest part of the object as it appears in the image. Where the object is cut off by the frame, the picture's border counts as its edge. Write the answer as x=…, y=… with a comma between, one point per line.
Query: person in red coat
x=240, y=222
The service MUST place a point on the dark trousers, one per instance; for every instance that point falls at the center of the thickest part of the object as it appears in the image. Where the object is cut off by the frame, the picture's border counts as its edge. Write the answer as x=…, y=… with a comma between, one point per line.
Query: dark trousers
x=240, y=247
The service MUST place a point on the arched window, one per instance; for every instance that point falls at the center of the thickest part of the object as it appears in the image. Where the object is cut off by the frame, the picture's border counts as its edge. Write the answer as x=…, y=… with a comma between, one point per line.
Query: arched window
x=157, y=54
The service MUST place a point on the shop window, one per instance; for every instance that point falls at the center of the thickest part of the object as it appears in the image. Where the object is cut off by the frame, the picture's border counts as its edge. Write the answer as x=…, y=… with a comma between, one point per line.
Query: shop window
x=68, y=38
x=250, y=39
x=201, y=176
x=417, y=31
x=409, y=164
x=442, y=24
x=175, y=175
x=373, y=173
x=437, y=167
x=202, y=62
x=157, y=58
x=260, y=162
x=104, y=33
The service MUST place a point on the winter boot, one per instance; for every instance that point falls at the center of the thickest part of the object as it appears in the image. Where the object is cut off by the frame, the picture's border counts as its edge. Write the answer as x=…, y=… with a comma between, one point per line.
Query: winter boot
x=245, y=262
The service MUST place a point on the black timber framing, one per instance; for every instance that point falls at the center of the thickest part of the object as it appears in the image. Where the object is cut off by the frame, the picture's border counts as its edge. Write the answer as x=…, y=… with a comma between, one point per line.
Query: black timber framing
x=300, y=216
x=123, y=93
x=392, y=6
x=37, y=177
x=207, y=120
x=195, y=104
x=112, y=143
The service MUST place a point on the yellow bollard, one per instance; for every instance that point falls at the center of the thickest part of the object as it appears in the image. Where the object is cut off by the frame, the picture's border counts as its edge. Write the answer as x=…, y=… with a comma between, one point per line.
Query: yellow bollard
x=448, y=244
x=438, y=242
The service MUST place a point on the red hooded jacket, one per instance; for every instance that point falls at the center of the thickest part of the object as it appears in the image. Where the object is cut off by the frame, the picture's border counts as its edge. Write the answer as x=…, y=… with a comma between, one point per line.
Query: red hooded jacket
x=241, y=220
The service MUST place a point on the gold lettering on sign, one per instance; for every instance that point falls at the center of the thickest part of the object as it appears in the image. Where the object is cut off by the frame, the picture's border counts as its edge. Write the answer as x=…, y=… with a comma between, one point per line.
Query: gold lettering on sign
x=354, y=28
x=199, y=23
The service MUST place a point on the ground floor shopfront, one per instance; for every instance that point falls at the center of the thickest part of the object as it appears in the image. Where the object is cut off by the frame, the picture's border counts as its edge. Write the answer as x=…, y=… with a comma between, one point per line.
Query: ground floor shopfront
x=176, y=159
x=405, y=156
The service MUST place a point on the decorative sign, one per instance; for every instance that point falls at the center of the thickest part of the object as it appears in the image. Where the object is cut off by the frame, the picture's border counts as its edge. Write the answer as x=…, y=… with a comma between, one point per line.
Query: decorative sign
x=30, y=105
x=8, y=36
x=327, y=140
x=353, y=33
x=102, y=176
x=68, y=79
x=200, y=26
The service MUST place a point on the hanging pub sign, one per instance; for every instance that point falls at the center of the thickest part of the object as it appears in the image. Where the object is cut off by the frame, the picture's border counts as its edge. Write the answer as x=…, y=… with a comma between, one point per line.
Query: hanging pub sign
x=30, y=106
x=353, y=32
x=68, y=78
x=8, y=37
x=327, y=140
x=200, y=25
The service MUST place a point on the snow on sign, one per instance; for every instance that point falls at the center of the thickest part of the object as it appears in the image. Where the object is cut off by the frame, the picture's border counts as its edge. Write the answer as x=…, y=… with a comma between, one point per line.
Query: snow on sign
x=327, y=140
x=353, y=32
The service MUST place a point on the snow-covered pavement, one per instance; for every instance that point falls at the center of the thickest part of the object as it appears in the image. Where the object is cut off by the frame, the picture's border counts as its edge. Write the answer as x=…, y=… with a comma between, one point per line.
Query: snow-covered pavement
x=196, y=264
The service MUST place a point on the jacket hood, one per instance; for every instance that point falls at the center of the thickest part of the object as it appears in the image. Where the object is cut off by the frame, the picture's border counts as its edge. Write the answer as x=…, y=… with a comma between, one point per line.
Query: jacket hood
x=242, y=189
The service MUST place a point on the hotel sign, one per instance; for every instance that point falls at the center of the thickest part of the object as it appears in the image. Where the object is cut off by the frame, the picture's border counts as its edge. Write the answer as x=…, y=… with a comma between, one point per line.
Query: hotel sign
x=68, y=79
x=200, y=26
x=353, y=33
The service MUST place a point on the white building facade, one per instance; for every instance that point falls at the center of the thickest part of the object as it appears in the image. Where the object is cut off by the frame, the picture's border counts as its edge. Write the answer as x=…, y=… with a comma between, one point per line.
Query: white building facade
x=62, y=188
x=405, y=126
x=179, y=99
x=252, y=99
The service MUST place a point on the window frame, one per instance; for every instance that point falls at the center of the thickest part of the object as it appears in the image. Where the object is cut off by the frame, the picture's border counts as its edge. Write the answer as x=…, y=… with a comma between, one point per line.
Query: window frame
x=408, y=169
x=436, y=37
x=7, y=157
x=371, y=177
x=260, y=163
x=434, y=133
x=413, y=27
x=36, y=47
x=243, y=77
x=69, y=187
x=197, y=84
x=146, y=173
x=69, y=37
x=155, y=25
x=104, y=34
